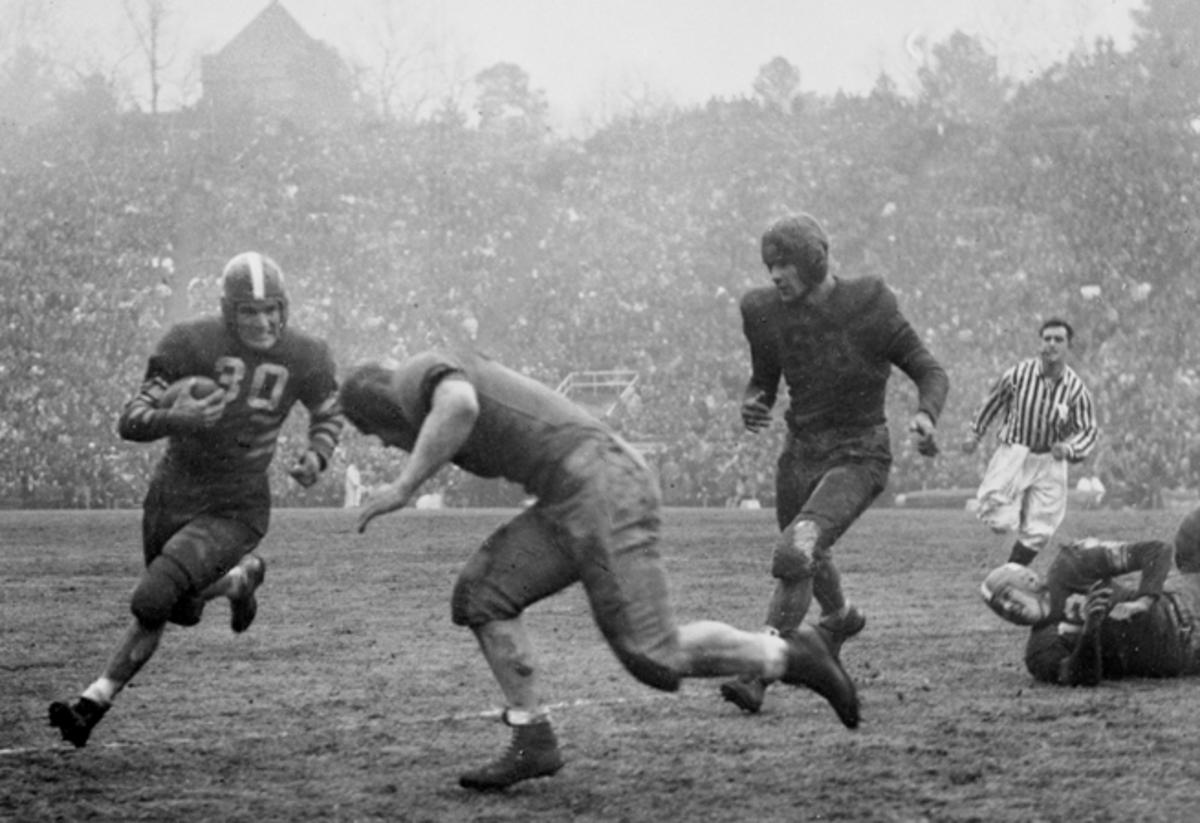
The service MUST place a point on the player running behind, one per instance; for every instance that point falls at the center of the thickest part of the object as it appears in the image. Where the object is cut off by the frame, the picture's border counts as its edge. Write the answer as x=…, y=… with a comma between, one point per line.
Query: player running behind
x=834, y=342
x=595, y=521
x=1085, y=626
x=208, y=503
x=1047, y=421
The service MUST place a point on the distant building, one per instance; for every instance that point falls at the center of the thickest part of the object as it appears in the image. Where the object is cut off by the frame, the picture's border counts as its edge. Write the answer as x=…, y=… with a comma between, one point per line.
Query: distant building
x=274, y=68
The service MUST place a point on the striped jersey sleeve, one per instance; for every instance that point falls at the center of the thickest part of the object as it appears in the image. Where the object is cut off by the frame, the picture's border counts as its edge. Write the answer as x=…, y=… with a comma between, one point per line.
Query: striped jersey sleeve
x=1038, y=413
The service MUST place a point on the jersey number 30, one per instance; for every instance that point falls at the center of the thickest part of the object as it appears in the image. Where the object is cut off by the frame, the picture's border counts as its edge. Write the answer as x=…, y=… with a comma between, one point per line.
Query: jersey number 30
x=267, y=382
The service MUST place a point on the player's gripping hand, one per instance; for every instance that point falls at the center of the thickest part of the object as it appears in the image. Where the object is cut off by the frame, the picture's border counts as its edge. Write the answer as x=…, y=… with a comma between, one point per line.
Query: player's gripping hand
x=1128, y=609
x=307, y=468
x=922, y=428
x=194, y=413
x=1099, y=601
x=756, y=414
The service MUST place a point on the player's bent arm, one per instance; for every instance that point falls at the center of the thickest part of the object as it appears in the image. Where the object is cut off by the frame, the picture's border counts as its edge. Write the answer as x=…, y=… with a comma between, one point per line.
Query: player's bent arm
x=1155, y=559
x=452, y=415
x=142, y=420
x=325, y=425
x=1082, y=443
x=911, y=356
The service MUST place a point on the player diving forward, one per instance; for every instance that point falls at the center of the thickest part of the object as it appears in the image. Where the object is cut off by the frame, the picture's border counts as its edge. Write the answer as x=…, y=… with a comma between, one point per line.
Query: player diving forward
x=595, y=521
x=208, y=503
x=1086, y=626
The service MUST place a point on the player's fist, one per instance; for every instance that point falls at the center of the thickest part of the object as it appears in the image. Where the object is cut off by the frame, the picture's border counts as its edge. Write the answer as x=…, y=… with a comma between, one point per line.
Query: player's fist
x=307, y=469
x=922, y=428
x=756, y=414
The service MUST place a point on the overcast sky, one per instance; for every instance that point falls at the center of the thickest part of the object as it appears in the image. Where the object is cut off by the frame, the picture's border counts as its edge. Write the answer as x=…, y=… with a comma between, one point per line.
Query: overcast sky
x=585, y=54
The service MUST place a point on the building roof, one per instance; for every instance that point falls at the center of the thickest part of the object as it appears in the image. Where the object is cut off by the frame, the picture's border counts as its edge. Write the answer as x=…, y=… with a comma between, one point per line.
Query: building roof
x=272, y=24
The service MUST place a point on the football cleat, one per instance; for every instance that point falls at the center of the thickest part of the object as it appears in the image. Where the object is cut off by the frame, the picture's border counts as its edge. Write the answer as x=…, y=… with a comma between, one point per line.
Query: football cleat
x=843, y=628
x=243, y=606
x=812, y=663
x=533, y=752
x=747, y=695
x=75, y=721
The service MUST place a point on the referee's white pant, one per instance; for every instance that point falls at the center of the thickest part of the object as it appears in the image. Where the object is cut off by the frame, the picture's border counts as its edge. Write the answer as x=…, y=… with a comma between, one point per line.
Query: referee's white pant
x=1023, y=492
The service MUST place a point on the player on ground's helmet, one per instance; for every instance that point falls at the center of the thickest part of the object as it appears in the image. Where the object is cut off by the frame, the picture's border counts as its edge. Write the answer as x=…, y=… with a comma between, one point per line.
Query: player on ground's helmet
x=1017, y=594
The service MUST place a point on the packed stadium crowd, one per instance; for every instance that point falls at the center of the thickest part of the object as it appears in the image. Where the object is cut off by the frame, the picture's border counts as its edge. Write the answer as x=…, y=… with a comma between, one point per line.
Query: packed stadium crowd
x=627, y=250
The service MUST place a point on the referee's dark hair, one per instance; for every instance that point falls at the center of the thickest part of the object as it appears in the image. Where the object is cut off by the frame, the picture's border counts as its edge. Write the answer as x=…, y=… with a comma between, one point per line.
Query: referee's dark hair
x=1058, y=322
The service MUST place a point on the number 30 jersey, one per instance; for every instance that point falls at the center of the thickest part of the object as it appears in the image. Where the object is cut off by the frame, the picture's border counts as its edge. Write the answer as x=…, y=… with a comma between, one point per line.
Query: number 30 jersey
x=260, y=389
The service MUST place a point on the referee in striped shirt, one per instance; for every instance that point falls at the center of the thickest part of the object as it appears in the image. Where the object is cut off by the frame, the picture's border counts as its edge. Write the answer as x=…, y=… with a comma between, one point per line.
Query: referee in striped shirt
x=1046, y=421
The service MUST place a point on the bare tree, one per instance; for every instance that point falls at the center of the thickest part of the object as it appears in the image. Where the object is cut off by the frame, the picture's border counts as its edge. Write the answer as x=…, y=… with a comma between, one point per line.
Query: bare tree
x=148, y=19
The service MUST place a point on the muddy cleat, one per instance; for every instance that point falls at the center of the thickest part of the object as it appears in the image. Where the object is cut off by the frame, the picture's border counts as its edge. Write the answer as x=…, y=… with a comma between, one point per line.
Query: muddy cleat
x=843, y=628
x=747, y=695
x=533, y=752
x=813, y=664
x=75, y=721
x=244, y=605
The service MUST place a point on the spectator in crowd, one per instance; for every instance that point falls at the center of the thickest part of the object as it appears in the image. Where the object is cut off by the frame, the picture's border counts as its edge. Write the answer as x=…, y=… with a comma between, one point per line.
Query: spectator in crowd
x=1047, y=421
x=209, y=499
x=1085, y=626
x=594, y=520
x=834, y=342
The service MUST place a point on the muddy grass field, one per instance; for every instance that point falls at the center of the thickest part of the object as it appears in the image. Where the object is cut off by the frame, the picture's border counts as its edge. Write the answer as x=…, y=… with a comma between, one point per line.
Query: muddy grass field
x=353, y=697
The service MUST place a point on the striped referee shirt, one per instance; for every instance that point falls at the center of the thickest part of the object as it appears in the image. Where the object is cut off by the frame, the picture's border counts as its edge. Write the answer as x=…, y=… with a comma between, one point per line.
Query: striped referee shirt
x=1039, y=412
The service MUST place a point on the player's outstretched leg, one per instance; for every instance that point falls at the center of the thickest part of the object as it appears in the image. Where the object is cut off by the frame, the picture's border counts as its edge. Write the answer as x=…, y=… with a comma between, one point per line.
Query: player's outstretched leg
x=76, y=720
x=243, y=605
x=812, y=663
x=533, y=752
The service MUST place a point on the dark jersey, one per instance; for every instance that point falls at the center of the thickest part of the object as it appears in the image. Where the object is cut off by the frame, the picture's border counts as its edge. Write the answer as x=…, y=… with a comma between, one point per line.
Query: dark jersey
x=1075, y=569
x=525, y=430
x=836, y=357
x=260, y=387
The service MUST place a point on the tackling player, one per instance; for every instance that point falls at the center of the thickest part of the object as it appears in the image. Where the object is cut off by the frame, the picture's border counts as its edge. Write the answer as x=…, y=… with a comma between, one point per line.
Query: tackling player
x=208, y=503
x=1047, y=422
x=595, y=521
x=1085, y=626
x=834, y=342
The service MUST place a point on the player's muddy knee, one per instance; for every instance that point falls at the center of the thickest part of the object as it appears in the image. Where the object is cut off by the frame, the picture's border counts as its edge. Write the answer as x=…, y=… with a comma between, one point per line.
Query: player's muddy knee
x=163, y=595
x=474, y=603
x=795, y=552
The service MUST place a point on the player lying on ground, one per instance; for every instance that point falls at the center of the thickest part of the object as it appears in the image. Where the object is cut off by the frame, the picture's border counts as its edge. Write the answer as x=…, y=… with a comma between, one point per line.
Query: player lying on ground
x=595, y=521
x=1086, y=626
x=209, y=499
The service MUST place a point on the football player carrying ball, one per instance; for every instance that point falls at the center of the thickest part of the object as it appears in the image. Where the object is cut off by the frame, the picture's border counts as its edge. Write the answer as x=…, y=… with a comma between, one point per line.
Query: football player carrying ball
x=209, y=499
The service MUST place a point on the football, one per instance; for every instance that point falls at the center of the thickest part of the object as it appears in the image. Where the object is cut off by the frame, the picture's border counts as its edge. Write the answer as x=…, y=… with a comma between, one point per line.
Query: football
x=198, y=387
